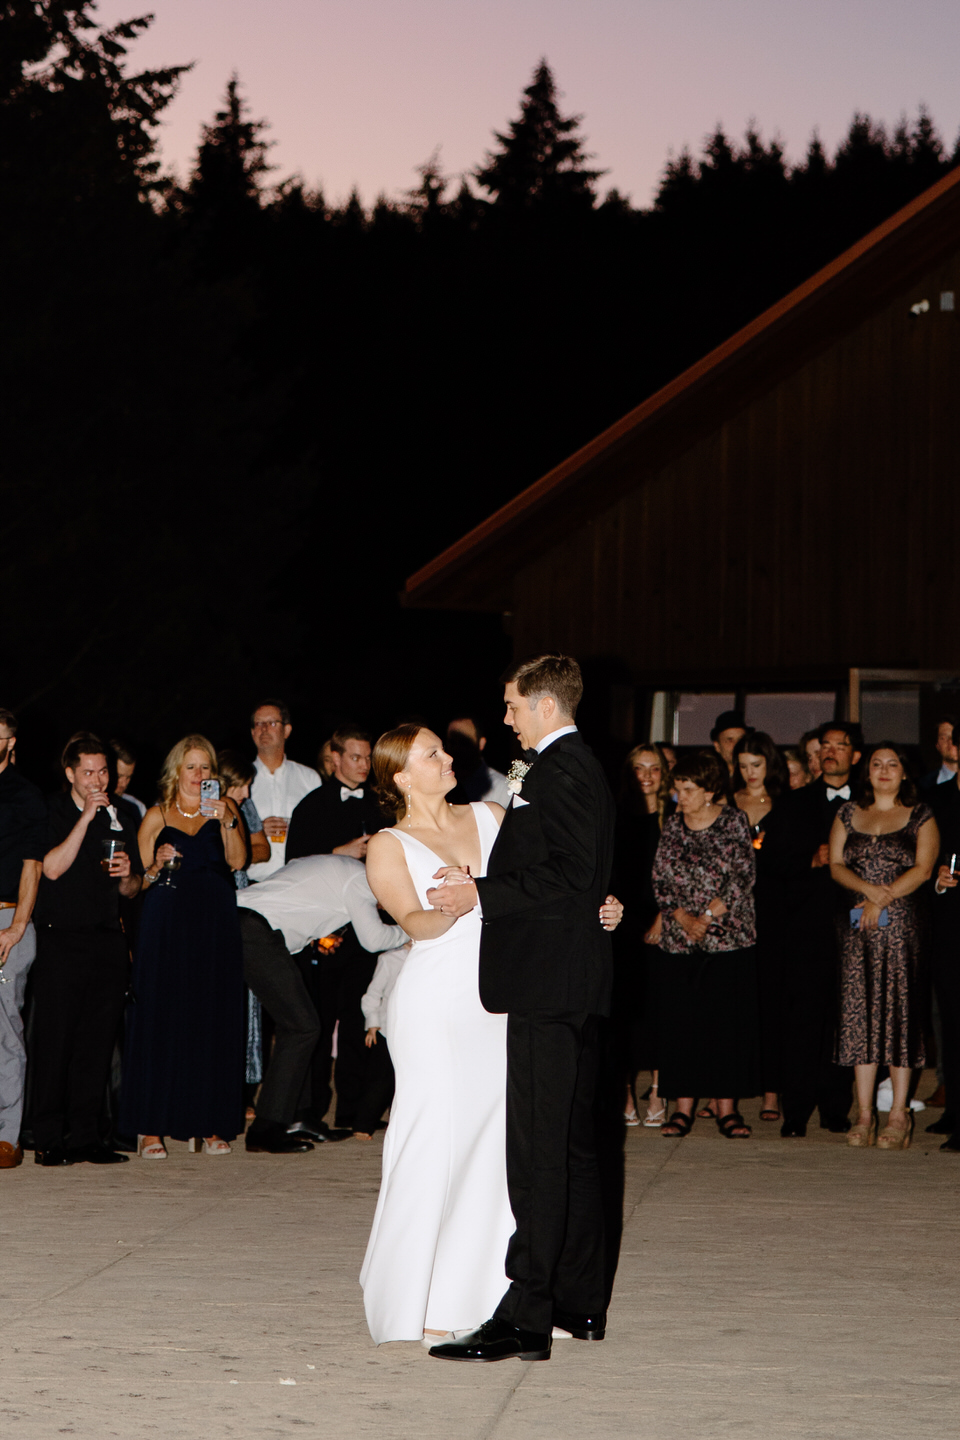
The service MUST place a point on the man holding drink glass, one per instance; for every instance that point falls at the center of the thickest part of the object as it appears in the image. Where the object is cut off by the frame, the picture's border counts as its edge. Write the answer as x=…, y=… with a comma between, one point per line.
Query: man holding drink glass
x=82, y=965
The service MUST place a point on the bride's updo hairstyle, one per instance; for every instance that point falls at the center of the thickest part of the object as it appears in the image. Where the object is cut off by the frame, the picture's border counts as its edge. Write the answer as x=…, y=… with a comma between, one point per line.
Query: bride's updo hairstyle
x=390, y=755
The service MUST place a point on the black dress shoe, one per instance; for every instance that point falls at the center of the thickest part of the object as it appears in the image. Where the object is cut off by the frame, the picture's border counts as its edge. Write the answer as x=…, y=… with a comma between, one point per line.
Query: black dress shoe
x=836, y=1124
x=953, y=1143
x=319, y=1133
x=56, y=1156
x=793, y=1129
x=496, y=1341
x=274, y=1140
x=582, y=1327
x=946, y=1125
x=96, y=1155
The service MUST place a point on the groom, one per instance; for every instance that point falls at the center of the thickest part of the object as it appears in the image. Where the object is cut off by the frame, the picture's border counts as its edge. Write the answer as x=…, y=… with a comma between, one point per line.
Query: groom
x=546, y=961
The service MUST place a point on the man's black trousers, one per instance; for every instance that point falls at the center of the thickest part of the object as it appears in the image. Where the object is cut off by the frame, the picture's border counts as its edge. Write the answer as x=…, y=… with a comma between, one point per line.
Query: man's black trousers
x=336, y=982
x=78, y=982
x=274, y=976
x=555, y=1258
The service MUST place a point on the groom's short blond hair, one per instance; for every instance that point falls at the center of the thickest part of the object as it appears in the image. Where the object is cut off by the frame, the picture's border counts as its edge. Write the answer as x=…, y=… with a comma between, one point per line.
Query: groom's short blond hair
x=556, y=675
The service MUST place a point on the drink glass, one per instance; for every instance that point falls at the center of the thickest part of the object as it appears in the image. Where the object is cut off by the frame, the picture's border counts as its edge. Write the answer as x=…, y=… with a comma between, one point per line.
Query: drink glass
x=166, y=879
x=109, y=850
x=278, y=839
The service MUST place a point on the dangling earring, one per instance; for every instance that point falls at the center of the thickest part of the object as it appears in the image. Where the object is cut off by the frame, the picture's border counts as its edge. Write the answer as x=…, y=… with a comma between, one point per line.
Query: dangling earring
x=409, y=807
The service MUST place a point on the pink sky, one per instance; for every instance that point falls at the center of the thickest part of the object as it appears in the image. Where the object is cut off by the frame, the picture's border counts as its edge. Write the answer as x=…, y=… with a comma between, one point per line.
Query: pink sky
x=362, y=91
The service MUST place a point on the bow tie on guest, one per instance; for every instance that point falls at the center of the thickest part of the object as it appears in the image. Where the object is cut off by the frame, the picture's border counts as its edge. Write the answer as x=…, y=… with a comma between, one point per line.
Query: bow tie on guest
x=530, y=756
x=843, y=793
x=347, y=794
x=114, y=818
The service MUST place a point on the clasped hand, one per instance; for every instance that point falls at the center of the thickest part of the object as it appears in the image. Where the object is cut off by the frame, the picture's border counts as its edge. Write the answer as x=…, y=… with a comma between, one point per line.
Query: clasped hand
x=874, y=899
x=456, y=894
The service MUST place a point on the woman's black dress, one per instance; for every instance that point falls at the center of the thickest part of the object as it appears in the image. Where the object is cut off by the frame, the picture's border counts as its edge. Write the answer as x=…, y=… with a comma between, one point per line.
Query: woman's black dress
x=633, y=1009
x=183, y=1061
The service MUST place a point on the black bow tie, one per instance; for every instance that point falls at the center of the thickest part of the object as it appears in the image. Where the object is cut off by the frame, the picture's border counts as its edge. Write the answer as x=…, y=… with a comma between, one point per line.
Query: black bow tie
x=530, y=756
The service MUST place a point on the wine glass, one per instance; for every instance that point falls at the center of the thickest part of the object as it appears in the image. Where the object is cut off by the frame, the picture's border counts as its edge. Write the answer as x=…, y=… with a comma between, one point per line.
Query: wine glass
x=166, y=880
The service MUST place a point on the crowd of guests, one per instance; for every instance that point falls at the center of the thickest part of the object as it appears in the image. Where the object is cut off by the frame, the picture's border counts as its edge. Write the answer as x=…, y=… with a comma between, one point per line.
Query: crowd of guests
x=786, y=909
x=790, y=929
x=220, y=942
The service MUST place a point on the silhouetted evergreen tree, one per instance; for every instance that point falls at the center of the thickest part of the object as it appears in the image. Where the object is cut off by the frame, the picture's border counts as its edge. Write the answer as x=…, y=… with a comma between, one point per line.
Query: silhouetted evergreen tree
x=231, y=162
x=541, y=165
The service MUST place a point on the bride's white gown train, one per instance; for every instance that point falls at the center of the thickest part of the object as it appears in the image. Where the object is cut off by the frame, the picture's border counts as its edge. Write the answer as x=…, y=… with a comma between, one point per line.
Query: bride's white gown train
x=435, y=1258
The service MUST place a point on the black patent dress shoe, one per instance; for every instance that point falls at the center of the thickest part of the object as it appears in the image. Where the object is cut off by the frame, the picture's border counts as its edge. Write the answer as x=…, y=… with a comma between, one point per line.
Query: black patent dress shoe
x=496, y=1341
x=96, y=1155
x=946, y=1125
x=582, y=1327
x=56, y=1156
x=953, y=1143
x=793, y=1130
x=274, y=1140
x=319, y=1133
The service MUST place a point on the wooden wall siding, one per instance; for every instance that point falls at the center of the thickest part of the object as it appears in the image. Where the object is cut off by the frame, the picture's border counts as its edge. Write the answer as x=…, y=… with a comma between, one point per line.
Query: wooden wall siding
x=818, y=527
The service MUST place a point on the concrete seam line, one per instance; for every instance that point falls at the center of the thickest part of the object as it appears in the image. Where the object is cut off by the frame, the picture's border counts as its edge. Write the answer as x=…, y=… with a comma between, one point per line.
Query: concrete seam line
x=494, y=1424
x=650, y=1183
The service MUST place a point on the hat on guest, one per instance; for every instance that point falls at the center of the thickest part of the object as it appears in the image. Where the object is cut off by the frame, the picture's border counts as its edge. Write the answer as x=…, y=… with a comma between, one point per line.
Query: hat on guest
x=728, y=720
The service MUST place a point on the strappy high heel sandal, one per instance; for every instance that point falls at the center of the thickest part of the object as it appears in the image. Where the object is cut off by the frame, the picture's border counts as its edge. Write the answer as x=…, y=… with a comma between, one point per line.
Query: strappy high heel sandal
x=656, y=1109
x=895, y=1138
x=862, y=1135
x=155, y=1151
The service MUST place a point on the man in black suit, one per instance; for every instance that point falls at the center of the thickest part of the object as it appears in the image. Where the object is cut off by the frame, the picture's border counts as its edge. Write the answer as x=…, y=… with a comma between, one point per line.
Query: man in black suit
x=545, y=960
x=798, y=831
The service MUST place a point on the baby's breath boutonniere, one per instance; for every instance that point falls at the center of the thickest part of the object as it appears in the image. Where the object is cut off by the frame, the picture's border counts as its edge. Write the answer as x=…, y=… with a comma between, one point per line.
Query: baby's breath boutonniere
x=516, y=775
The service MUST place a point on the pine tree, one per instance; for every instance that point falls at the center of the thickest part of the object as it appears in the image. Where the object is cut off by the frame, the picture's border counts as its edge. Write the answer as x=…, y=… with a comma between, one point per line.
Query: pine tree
x=231, y=162
x=541, y=165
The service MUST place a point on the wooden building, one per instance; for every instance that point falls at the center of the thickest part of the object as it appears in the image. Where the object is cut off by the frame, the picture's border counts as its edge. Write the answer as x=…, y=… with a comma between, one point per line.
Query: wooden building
x=778, y=526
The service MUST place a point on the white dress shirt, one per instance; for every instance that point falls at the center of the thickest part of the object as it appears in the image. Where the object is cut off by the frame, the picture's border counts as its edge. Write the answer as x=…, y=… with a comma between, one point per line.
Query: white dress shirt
x=374, y=1002
x=554, y=735
x=317, y=895
x=278, y=794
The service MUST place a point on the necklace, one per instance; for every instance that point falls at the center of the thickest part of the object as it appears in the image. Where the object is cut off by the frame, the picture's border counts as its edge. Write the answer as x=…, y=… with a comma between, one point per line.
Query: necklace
x=187, y=815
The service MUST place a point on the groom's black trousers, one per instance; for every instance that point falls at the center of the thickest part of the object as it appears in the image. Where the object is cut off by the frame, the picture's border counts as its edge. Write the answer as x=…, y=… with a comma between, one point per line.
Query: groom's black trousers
x=555, y=1257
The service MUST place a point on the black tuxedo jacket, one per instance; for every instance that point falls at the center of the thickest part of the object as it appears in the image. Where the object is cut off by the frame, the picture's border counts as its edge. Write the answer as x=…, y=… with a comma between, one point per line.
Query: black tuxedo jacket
x=800, y=822
x=323, y=820
x=542, y=947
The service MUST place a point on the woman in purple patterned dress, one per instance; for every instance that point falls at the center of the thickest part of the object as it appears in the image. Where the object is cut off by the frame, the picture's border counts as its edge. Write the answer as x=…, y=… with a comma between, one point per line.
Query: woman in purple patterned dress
x=883, y=847
x=703, y=880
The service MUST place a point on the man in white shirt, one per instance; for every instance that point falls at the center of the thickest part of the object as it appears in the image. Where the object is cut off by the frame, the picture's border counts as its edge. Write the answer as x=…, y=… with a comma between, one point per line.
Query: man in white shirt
x=308, y=899
x=279, y=784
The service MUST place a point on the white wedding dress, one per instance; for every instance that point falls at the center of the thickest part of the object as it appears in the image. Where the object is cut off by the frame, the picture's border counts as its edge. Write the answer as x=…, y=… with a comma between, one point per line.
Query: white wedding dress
x=435, y=1258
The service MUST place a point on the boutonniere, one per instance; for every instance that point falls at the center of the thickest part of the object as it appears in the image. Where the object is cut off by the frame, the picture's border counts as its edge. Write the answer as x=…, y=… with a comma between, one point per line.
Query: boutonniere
x=516, y=776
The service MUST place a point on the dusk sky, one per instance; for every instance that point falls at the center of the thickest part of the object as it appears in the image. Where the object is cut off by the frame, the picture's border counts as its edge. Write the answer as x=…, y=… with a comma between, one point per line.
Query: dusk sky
x=359, y=92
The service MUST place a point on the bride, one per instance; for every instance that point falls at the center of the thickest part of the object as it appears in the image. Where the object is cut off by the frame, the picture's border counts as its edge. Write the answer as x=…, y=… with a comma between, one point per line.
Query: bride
x=435, y=1258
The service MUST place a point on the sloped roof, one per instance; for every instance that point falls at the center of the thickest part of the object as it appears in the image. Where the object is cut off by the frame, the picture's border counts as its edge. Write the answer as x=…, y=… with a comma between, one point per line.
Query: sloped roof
x=475, y=572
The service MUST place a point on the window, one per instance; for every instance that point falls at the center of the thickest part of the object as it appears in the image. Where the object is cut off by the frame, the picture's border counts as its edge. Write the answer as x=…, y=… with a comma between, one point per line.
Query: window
x=891, y=715
x=695, y=715
x=786, y=717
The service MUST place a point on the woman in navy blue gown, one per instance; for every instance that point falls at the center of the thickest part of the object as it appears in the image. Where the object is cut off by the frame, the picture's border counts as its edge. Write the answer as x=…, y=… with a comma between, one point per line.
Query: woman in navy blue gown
x=183, y=1063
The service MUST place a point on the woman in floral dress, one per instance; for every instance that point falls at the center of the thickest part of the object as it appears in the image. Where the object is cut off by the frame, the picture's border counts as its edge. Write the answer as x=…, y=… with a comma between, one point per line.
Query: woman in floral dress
x=703, y=880
x=883, y=847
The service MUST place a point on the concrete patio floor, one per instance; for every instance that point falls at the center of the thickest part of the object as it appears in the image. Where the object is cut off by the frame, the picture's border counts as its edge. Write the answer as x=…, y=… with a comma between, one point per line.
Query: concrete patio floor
x=767, y=1288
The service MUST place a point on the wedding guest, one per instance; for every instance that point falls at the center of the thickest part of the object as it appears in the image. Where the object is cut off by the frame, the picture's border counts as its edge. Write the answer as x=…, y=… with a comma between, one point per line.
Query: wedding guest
x=279, y=784
x=325, y=760
x=306, y=902
x=126, y=763
x=82, y=967
x=183, y=1061
x=643, y=805
x=23, y=833
x=883, y=848
x=947, y=753
x=339, y=817
x=236, y=778
x=378, y=1093
x=476, y=780
x=945, y=803
x=798, y=835
x=760, y=779
x=796, y=767
x=810, y=751
x=728, y=728
x=703, y=879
